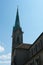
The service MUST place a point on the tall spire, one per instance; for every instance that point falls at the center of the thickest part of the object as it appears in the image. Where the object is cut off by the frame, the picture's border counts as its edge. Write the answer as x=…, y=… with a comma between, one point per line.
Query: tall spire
x=17, y=22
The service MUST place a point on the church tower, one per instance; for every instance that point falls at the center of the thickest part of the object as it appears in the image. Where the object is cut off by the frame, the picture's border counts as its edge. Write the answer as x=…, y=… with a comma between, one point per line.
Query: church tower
x=17, y=35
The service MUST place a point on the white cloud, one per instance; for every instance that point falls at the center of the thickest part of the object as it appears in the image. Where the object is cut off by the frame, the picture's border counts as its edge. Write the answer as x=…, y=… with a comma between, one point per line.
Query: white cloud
x=1, y=48
x=4, y=62
x=5, y=57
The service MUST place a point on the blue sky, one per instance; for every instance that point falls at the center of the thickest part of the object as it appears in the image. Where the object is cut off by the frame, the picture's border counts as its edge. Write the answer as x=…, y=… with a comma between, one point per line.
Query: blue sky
x=31, y=20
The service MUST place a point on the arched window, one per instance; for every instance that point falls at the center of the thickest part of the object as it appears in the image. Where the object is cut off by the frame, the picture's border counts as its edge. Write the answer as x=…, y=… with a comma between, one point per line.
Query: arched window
x=18, y=40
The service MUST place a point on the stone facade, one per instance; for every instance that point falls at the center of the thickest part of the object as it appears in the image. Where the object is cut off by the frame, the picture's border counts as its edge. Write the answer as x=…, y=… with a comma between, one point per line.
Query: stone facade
x=25, y=54
x=36, y=52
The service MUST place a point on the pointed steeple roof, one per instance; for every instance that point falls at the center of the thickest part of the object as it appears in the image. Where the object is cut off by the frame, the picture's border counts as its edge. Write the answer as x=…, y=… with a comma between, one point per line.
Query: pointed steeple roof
x=17, y=22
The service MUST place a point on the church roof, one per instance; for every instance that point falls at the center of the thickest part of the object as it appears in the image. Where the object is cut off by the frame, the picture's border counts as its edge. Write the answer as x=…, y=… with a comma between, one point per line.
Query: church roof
x=37, y=39
x=23, y=46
